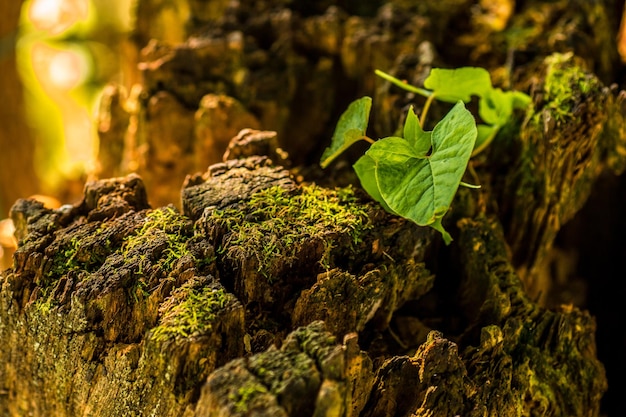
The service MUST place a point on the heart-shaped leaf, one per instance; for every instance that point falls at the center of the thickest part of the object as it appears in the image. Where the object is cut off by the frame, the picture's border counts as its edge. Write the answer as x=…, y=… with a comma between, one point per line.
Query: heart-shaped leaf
x=365, y=169
x=496, y=107
x=421, y=188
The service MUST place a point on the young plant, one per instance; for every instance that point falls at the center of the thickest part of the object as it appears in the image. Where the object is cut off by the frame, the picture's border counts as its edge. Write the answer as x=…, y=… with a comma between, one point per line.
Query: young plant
x=416, y=176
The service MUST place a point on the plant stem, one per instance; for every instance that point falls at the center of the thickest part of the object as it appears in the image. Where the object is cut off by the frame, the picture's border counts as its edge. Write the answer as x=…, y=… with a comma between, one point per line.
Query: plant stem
x=486, y=142
x=368, y=139
x=405, y=86
x=429, y=100
x=468, y=185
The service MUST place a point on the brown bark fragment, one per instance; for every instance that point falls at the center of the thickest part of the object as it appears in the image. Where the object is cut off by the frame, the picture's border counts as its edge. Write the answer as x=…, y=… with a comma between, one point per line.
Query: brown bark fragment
x=433, y=382
x=218, y=119
x=347, y=303
x=230, y=182
x=250, y=142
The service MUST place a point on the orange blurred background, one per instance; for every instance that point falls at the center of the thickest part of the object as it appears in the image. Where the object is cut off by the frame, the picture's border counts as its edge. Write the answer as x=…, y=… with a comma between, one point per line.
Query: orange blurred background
x=66, y=52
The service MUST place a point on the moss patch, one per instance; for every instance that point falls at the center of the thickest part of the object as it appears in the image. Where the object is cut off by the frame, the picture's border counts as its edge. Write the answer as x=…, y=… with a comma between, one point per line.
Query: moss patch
x=154, y=249
x=245, y=394
x=565, y=85
x=148, y=244
x=274, y=223
x=190, y=312
x=80, y=252
x=166, y=224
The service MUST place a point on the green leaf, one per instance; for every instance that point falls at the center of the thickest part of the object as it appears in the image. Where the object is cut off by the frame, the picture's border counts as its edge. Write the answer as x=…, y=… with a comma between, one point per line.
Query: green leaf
x=350, y=128
x=414, y=134
x=496, y=107
x=452, y=85
x=438, y=226
x=520, y=100
x=394, y=150
x=422, y=189
x=365, y=170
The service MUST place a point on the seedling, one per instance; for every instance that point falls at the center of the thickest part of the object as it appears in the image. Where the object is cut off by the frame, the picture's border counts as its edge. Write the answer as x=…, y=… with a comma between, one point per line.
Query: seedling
x=416, y=176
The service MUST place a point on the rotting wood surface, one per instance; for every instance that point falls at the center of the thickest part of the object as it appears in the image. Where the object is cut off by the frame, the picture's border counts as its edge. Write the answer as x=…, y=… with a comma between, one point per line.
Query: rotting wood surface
x=272, y=296
x=114, y=308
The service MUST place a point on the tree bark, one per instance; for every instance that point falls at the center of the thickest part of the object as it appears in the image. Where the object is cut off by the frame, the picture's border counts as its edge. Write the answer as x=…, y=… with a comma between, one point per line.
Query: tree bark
x=287, y=291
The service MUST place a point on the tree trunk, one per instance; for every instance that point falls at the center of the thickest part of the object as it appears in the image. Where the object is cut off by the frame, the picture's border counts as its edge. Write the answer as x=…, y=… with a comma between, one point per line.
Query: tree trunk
x=278, y=291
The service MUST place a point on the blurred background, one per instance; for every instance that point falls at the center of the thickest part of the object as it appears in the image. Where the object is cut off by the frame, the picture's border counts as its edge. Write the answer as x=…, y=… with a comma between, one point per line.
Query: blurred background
x=55, y=56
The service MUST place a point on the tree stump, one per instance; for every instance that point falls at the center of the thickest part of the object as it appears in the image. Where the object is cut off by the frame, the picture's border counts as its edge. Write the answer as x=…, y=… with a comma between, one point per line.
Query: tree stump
x=273, y=289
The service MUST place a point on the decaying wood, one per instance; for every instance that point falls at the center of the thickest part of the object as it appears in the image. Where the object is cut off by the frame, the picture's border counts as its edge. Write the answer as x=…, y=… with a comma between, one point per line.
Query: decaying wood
x=572, y=136
x=104, y=274
x=270, y=295
x=130, y=298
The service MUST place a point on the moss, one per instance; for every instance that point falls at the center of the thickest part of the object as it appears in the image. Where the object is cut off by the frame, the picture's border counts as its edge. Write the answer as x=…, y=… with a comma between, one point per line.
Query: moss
x=566, y=83
x=274, y=222
x=66, y=259
x=166, y=223
x=151, y=251
x=190, y=313
x=77, y=253
x=161, y=225
x=245, y=394
x=44, y=304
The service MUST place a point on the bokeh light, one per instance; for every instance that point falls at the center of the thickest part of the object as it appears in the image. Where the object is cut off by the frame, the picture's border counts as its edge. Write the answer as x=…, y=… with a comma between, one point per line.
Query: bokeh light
x=60, y=69
x=57, y=16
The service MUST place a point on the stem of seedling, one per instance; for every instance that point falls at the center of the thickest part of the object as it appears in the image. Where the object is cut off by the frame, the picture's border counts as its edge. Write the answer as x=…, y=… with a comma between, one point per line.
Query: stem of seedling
x=368, y=139
x=486, y=143
x=429, y=100
x=403, y=84
x=468, y=185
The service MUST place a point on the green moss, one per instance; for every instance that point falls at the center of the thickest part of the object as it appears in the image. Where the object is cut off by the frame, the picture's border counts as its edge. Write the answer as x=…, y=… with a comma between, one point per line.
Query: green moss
x=274, y=223
x=73, y=255
x=165, y=223
x=566, y=83
x=65, y=259
x=44, y=304
x=245, y=394
x=161, y=225
x=152, y=250
x=190, y=313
